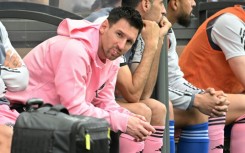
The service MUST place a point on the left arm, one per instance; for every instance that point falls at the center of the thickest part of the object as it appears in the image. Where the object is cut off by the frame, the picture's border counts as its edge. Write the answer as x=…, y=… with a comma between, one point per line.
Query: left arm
x=230, y=37
x=106, y=96
x=237, y=65
x=165, y=25
x=151, y=81
x=13, y=71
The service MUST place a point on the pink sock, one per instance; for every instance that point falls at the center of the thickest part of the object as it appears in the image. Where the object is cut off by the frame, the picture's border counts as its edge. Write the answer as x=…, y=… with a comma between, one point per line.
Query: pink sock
x=216, y=134
x=154, y=142
x=238, y=136
x=128, y=145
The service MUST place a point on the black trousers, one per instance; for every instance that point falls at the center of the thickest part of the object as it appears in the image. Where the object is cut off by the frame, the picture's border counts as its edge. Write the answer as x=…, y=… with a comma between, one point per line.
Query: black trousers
x=114, y=145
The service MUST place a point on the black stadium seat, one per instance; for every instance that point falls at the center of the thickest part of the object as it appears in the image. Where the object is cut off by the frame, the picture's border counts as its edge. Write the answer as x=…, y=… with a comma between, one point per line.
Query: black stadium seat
x=34, y=11
x=206, y=9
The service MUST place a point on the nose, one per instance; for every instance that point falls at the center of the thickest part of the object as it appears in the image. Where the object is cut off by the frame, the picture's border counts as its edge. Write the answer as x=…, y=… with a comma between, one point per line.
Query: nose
x=193, y=3
x=121, y=44
x=163, y=10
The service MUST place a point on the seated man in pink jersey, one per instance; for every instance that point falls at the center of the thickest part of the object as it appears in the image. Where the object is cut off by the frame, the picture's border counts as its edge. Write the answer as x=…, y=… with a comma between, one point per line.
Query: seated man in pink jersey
x=78, y=69
x=136, y=78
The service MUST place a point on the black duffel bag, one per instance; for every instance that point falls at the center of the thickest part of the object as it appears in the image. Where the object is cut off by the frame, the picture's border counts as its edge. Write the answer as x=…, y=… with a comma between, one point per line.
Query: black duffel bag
x=51, y=129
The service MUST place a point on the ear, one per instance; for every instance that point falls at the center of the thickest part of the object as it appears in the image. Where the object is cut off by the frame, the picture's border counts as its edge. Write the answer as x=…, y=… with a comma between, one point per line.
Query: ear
x=146, y=5
x=104, y=26
x=174, y=4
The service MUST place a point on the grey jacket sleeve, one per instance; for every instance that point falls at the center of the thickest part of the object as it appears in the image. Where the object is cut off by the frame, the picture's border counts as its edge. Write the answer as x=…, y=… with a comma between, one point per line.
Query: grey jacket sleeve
x=14, y=79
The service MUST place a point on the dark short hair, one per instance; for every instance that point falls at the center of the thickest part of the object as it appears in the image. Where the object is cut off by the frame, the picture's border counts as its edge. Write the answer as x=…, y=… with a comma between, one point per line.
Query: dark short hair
x=127, y=13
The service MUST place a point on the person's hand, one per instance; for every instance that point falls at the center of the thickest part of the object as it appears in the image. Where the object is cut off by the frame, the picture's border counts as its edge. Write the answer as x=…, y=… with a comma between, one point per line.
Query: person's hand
x=222, y=104
x=140, y=117
x=12, y=61
x=165, y=25
x=138, y=128
x=218, y=93
x=211, y=105
x=221, y=107
x=150, y=33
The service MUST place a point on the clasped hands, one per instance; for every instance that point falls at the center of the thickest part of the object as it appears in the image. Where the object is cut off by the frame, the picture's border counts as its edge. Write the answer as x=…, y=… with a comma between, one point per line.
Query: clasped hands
x=216, y=104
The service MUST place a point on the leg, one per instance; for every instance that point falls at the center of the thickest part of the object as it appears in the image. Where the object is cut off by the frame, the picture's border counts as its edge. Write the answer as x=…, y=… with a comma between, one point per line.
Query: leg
x=236, y=115
x=194, y=135
x=154, y=142
x=171, y=128
x=236, y=107
x=137, y=108
x=114, y=144
x=188, y=117
x=125, y=140
x=6, y=133
x=216, y=134
x=158, y=110
x=155, y=112
x=7, y=117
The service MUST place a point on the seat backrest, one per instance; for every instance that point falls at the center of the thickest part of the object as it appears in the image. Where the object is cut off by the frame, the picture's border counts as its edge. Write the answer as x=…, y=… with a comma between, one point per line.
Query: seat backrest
x=34, y=11
x=206, y=9
x=40, y=22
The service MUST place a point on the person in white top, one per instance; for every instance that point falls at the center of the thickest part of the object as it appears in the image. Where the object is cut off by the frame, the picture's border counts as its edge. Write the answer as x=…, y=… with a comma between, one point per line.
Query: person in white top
x=14, y=77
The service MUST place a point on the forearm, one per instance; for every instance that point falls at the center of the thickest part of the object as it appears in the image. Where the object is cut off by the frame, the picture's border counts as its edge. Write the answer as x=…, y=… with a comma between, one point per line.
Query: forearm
x=140, y=75
x=151, y=81
x=142, y=72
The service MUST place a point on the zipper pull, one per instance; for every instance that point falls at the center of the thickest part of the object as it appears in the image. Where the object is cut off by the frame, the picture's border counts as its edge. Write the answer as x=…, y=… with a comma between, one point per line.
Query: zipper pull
x=109, y=133
x=87, y=141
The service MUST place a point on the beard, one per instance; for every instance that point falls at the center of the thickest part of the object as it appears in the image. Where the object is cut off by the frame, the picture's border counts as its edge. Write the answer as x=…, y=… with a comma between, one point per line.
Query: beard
x=184, y=19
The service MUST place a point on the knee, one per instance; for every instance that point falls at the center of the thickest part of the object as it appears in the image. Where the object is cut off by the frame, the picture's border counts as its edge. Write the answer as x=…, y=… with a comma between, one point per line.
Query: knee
x=188, y=117
x=198, y=117
x=158, y=112
x=145, y=111
x=157, y=107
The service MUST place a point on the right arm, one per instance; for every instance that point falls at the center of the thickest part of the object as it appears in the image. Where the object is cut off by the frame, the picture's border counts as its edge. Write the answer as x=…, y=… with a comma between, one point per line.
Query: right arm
x=165, y=25
x=131, y=84
x=230, y=38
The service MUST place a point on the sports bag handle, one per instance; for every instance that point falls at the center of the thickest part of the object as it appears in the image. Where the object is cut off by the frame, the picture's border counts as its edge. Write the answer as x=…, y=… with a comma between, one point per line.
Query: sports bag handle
x=33, y=102
x=39, y=103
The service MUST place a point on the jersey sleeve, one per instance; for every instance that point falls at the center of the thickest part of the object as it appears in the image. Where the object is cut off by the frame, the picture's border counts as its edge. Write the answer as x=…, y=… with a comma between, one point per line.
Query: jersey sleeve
x=229, y=36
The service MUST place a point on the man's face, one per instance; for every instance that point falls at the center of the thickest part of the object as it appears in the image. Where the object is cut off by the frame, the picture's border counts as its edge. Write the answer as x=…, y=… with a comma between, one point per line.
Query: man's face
x=116, y=39
x=156, y=11
x=185, y=11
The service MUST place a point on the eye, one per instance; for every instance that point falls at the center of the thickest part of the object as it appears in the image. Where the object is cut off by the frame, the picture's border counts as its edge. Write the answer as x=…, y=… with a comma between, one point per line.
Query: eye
x=130, y=42
x=119, y=34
